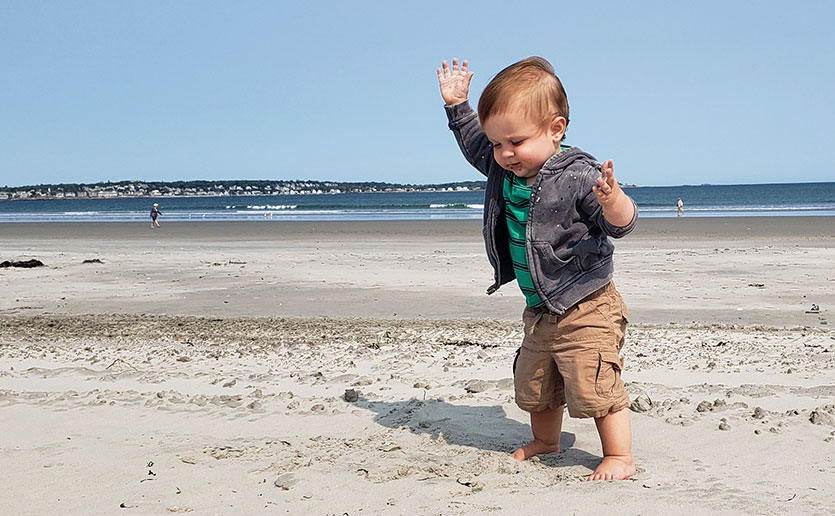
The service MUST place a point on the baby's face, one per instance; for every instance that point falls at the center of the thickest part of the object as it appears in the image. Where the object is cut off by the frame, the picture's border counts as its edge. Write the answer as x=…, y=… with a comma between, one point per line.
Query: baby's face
x=521, y=146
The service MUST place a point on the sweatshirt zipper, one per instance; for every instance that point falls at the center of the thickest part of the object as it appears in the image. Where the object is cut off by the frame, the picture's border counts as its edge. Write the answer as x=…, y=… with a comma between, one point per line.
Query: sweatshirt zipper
x=492, y=218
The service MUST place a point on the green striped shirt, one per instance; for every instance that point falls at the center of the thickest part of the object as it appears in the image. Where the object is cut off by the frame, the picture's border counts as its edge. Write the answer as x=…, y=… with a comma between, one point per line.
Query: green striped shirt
x=517, y=197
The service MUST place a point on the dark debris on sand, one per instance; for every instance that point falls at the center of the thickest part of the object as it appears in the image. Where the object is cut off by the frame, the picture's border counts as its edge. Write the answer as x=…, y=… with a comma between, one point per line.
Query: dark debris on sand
x=24, y=264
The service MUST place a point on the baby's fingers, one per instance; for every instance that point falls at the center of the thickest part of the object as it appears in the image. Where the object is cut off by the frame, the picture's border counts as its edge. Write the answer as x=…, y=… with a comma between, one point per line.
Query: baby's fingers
x=603, y=185
x=607, y=172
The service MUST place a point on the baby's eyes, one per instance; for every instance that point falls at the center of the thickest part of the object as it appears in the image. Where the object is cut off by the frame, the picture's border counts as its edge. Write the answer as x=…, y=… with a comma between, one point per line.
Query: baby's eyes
x=513, y=143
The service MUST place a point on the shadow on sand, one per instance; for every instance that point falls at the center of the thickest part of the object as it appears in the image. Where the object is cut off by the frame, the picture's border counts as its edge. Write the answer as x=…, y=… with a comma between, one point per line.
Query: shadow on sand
x=482, y=427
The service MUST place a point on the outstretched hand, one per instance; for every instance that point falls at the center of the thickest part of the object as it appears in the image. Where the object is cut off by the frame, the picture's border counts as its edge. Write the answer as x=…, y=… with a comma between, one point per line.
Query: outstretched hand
x=455, y=83
x=618, y=208
x=607, y=188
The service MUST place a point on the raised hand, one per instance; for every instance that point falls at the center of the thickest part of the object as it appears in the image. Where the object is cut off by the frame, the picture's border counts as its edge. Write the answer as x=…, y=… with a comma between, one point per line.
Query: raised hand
x=607, y=189
x=455, y=83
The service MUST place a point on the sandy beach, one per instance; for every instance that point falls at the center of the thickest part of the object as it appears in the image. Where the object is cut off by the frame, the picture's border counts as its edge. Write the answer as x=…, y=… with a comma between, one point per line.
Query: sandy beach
x=203, y=367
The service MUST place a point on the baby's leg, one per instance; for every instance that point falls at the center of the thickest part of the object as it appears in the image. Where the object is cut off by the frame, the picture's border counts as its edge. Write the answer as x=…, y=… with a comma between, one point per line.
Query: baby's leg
x=615, y=431
x=546, y=427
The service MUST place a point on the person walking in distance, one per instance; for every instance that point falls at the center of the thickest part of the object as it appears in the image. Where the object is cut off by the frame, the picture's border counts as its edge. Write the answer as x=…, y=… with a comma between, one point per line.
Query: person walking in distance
x=155, y=213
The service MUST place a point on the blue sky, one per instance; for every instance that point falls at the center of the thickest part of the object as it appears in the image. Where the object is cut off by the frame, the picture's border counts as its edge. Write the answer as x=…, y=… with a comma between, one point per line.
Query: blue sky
x=675, y=93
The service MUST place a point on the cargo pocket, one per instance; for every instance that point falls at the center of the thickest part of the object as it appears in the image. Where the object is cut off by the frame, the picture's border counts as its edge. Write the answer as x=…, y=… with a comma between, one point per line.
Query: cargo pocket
x=609, y=365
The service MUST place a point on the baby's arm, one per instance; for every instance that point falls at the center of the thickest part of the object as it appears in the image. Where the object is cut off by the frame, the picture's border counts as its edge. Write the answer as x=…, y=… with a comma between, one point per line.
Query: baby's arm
x=618, y=207
x=463, y=121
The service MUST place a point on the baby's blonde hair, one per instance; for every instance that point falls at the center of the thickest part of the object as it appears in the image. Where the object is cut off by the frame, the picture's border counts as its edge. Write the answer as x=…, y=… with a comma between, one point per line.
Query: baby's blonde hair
x=529, y=85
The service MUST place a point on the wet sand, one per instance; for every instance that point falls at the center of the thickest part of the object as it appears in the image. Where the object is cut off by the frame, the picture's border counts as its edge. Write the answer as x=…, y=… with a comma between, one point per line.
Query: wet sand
x=737, y=270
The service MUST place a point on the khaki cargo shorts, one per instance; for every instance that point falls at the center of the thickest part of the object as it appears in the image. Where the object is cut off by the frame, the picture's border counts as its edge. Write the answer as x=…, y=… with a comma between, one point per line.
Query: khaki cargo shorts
x=573, y=359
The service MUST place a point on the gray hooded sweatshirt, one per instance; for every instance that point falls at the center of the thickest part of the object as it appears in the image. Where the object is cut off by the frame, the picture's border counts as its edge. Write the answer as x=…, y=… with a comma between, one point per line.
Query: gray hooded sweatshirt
x=568, y=249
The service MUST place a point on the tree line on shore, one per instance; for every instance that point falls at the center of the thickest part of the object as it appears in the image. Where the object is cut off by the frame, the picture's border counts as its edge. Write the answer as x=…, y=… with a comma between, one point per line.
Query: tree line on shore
x=220, y=187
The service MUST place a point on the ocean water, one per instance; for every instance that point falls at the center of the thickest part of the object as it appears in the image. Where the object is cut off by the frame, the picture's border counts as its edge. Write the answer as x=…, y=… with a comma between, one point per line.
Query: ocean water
x=791, y=199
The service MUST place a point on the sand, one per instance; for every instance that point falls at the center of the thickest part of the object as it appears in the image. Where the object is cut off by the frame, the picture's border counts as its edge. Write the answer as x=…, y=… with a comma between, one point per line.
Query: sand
x=203, y=368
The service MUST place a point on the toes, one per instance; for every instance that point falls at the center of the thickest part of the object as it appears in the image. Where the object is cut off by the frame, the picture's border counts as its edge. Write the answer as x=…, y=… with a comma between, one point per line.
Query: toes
x=597, y=475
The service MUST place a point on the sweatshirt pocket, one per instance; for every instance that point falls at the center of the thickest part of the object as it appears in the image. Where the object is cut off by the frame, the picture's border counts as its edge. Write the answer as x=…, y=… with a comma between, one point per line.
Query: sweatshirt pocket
x=554, y=273
x=549, y=259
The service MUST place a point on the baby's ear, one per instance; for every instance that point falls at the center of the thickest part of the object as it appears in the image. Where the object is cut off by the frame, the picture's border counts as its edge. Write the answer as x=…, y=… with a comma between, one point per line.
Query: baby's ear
x=557, y=128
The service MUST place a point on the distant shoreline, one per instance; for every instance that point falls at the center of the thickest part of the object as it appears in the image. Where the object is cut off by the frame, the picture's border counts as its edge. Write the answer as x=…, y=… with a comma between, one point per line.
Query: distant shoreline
x=202, y=188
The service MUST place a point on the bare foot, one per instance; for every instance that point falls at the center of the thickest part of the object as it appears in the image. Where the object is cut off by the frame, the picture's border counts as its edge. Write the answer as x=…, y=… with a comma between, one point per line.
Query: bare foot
x=614, y=467
x=535, y=447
